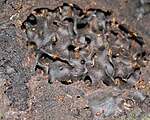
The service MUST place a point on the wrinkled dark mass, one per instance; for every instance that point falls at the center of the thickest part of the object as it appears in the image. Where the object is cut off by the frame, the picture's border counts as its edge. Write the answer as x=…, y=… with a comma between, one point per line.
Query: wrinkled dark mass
x=72, y=44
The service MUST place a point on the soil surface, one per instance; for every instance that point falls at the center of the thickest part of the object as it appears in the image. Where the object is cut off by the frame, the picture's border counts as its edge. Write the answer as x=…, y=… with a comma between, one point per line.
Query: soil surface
x=26, y=95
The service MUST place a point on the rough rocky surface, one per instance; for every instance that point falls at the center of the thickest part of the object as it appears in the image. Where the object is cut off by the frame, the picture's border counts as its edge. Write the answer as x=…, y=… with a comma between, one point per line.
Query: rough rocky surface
x=27, y=95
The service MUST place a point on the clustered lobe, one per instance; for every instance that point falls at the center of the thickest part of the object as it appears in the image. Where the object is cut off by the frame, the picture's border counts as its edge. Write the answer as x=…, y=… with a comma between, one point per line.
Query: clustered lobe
x=72, y=44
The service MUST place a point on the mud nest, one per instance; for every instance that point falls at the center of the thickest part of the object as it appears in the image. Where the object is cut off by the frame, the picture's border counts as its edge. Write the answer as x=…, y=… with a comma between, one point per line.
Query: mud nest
x=70, y=44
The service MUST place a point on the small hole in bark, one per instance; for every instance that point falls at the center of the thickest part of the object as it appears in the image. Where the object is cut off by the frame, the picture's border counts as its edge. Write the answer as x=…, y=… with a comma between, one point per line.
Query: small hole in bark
x=32, y=19
x=39, y=69
x=78, y=96
x=88, y=40
x=71, y=47
x=88, y=80
x=81, y=25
